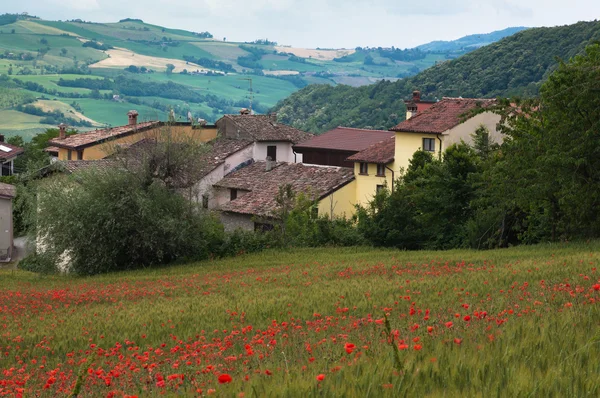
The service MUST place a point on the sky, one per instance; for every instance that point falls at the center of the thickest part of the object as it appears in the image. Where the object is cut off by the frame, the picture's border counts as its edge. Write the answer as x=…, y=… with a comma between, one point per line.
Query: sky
x=323, y=23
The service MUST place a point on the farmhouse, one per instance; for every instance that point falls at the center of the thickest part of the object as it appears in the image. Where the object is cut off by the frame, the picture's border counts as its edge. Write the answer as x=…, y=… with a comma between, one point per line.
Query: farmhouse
x=247, y=197
x=99, y=144
x=333, y=147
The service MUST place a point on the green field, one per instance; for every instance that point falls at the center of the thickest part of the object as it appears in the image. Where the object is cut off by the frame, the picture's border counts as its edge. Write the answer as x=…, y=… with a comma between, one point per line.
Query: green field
x=505, y=323
x=115, y=113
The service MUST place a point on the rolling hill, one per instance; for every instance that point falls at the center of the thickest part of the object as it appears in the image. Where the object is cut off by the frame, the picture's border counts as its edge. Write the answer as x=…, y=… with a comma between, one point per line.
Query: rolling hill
x=96, y=71
x=514, y=66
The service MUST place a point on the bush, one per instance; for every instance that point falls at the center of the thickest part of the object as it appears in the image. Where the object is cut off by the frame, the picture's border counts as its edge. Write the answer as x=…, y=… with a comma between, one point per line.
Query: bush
x=111, y=220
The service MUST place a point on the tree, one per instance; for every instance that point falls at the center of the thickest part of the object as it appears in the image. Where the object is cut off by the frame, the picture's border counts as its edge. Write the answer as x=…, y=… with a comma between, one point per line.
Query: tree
x=128, y=214
x=170, y=68
x=63, y=52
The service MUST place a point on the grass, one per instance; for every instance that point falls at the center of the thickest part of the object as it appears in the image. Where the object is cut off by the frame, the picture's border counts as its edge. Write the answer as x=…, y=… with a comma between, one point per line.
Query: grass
x=19, y=123
x=274, y=321
x=115, y=113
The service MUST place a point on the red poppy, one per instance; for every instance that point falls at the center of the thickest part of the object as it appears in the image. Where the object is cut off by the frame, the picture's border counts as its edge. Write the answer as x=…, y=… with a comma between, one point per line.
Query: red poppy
x=467, y=318
x=457, y=340
x=349, y=347
x=429, y=329
x=449, y=324
x=225, y=378
x=321, y=377
x=597, y=286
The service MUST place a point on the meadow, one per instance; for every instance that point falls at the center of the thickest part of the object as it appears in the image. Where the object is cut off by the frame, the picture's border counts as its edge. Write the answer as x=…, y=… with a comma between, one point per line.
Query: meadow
x=313, y=322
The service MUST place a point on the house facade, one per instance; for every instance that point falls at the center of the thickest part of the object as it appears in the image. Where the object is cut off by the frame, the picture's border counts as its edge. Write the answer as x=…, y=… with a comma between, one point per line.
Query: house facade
x=100, y=144
x=271, y=139
x=8, y=154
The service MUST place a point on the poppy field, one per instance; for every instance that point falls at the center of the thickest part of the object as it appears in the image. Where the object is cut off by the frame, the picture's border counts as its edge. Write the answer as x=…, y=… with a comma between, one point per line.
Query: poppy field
x=323, y=322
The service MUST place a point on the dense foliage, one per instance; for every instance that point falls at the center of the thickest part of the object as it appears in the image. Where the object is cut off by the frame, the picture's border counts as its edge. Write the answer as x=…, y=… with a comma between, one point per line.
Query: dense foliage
x=516, y=65
x=97, y=46
x=541, y=184
x=210, y=63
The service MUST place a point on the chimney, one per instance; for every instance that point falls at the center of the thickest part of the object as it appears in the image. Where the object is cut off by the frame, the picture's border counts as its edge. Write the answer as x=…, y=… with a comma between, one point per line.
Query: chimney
x=132, y=115
x=269, y=164
x=416, y=96
x=1, y=137
x=62, y=131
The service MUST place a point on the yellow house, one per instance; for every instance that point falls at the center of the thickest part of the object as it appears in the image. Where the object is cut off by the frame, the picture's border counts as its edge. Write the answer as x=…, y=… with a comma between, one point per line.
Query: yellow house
x=99, y=144
x=445, y=123
x=433, y=129
x=374, y=169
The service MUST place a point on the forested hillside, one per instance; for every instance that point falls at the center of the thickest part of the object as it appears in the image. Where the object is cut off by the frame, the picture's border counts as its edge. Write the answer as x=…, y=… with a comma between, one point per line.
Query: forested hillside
x=516, y=65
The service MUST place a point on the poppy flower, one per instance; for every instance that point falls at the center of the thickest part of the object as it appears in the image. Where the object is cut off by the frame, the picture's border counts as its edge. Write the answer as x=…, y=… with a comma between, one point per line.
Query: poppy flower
x=449, y=324
x=321, y=377
x=429, y=329
x=467, y=318
x=457, y=340
x=349, y=347
x=225, y=378
x=597, y=286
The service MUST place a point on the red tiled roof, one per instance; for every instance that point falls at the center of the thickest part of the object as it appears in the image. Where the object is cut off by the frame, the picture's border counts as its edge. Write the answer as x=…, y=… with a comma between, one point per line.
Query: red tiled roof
x=380, y=153
x=7, y=190
x=263, y=128
x=442, y=116
x=263, y=185
x=82, y=140
x=345, y=139
x=11, y=152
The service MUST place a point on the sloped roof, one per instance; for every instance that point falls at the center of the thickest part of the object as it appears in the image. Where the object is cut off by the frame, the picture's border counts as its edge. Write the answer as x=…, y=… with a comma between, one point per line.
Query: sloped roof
x=9, y=151
x=345, y=139
x=7, y=190
x=380, y=153
x=82, y=140
x=442, y=116
x=264, y=185
x=263, y=128
x=72, y=166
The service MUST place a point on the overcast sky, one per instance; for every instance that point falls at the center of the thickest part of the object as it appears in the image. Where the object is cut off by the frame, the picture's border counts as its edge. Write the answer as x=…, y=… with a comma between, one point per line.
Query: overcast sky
x=323, y=23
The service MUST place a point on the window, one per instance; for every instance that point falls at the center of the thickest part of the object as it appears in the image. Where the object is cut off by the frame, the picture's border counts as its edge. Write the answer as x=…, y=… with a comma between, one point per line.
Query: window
x=379, y=188
x=429, y=144
x=364, y=168
x=381, y=170
x=205, y=201
x=233, y=194
x=272, y=152
x=263, y=227
x=69, y=154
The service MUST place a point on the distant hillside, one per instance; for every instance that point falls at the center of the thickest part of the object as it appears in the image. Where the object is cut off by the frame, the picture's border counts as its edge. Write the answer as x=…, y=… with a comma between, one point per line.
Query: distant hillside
x=470, y=42
x=515, y=65
x=97, y=71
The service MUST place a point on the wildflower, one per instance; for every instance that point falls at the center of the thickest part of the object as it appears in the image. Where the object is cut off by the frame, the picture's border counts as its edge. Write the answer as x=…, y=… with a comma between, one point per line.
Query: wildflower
x=349, y=347
x=429, y=329
x=321, y=377
x=449, y=324
x=225, y=378
x=467, y=318
x=457, y=340
x=597, y=286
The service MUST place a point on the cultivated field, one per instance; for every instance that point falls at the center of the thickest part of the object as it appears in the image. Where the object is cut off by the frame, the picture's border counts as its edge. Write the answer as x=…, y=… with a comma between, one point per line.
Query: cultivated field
x=122, y=58
x=325, y=55
x=326, y=322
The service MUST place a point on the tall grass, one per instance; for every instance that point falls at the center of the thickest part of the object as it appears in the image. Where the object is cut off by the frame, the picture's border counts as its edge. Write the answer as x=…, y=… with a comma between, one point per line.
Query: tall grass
x=524, y=322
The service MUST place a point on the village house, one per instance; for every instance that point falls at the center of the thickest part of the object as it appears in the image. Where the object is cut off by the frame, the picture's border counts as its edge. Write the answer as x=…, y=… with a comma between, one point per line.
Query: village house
x=446, y=122
x=334, y=147
x=8, y=154
x=416, y=105
x=7, y=194
x=271, y=139
x=99, y=144
x=434, y=129
x=247, y=197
